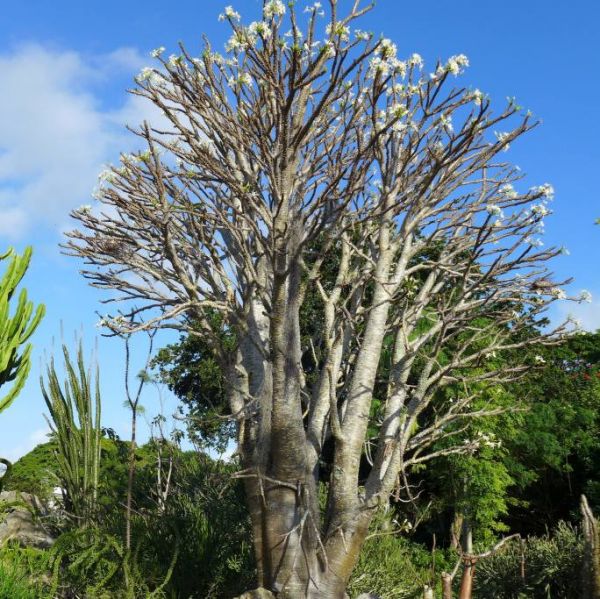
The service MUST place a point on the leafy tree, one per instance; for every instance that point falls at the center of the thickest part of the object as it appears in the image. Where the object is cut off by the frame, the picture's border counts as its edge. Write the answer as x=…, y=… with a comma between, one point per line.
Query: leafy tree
x=278, y=158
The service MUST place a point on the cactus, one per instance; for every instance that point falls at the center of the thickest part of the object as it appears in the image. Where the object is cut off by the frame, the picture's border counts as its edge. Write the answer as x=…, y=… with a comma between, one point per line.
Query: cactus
x=75, y=422
x=15, y=330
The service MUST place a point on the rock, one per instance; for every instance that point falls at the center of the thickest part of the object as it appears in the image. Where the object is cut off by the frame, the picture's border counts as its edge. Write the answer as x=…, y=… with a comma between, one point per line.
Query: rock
x=259, y=593
x=19, y=522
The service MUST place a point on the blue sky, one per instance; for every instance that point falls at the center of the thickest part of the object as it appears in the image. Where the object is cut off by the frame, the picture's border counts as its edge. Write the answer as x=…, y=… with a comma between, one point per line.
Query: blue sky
x=64, y=69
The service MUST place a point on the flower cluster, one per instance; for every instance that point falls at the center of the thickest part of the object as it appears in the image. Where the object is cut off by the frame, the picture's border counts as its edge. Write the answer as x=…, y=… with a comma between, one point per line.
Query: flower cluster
x=339, y=30
x=494, y=210
x=546, y=190
x=274, y=8
x=540, y=210
x=585, y=296
x=502, y=137
x=476, y=96
x=316, y=8
x=508, y=191
x=230, y=13
x=487, y=439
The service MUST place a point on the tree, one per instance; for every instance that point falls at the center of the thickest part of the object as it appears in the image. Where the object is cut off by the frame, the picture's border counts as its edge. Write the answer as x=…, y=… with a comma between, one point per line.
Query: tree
x=276, y=158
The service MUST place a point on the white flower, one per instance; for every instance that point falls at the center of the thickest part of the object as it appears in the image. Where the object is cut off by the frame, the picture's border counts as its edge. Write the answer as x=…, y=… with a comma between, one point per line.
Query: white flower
x=545, y=190
x=476, y=96
x=362, y=35
x=175, y=60
x=230, y=13
x=399, y=66
x=274, y=8
x=388, y=48
x=540, y=210
x=502, y=137
x=329, y=49
x=315, y=7
x=585, y=296
x=157, y=52
x=565, y=251
x=494, y=210
x=84, y=208
x=416, y=61
x=245, y=79
x=539, y=359
x=558, y=293
x=259, y=28
x=340, y=30
x=240, y=40
x=509, y=191
x=107, y=176
x=534, y=242
x=446, y=122
x=146, y=74
x=455, y=63
x=377, y=65
x=101, y=323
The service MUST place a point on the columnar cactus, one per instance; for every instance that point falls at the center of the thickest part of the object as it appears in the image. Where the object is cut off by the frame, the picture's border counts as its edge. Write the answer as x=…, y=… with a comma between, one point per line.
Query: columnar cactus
x=75, y=422
x=15, y=329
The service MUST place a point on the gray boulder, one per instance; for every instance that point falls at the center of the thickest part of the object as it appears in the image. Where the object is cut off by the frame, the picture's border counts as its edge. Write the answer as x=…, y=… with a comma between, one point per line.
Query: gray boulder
x=19, y=520
x=259, y=593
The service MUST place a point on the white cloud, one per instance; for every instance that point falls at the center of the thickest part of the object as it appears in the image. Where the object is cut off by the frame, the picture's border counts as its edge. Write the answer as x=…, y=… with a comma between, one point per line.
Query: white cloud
x=33, y=440
x=55, y=135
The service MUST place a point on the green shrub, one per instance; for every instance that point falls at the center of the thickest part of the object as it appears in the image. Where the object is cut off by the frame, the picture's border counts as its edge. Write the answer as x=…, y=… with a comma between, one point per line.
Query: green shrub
x=394, y=567
x=24, y=573
x=551, y=567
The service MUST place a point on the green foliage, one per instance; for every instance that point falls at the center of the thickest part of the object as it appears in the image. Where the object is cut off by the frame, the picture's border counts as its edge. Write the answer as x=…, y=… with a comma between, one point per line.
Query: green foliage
x=190, y=371
x=394, y=567
x=24, y=573
x=75, y=422
x=35, y=472
x=93, y=562
x=208, y=514
x=551, y=566
x=15, y=330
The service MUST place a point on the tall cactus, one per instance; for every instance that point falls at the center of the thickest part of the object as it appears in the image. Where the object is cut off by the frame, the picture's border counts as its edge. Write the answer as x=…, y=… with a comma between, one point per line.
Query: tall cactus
x=16, y=329
x=75, y=421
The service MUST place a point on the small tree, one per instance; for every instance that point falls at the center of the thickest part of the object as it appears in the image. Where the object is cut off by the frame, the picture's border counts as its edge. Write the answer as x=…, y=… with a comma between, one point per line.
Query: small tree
x=296, y=168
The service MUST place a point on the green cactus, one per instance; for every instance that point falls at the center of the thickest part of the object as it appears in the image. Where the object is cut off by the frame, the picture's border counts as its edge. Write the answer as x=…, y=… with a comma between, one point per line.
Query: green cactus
x=75, y=421
x=15, y=330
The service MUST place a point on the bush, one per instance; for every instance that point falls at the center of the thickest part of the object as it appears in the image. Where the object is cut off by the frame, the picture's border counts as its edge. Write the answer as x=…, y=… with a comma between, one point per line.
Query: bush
x=24, y=573
x=394, y=567
x=551, y=566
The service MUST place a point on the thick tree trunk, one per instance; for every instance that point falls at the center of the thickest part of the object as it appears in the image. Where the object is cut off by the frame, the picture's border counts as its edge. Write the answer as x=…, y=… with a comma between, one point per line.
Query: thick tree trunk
x=591, y=558
x=301, y=566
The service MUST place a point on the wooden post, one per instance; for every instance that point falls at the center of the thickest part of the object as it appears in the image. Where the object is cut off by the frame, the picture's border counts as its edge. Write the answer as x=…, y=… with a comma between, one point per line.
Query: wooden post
x=447, y=585
x=466, y=583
